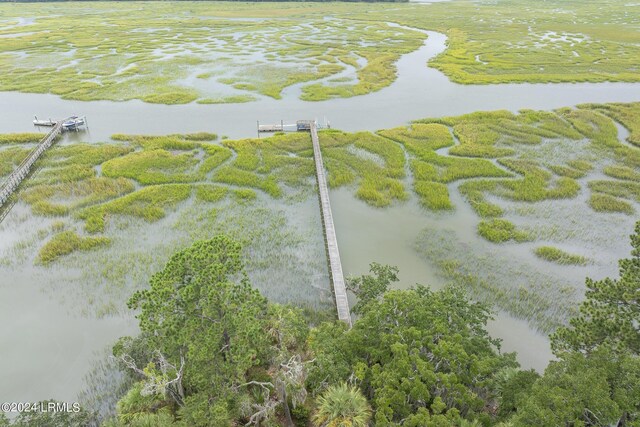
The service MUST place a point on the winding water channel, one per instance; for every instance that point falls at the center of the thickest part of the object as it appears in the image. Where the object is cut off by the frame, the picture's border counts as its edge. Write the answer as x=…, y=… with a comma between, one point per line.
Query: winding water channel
x=46, y=348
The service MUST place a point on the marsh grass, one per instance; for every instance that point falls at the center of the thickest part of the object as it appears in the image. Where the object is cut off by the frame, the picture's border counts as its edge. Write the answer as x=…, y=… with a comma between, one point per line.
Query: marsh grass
x=433, y=195
x=474, y=191
x=520, y=41
x=626, y=114
x=567, y=171
x=148, y=203
x=558, y=256
x=373, y=164
x=211, y=193
x=622, y=172
x=431, y=170
x=196, y=54
x=536, y=184
x=20, y=138
x=123, y=52
x=152, y=167
x=242, y=178
x=67, y=242
x=494, y=275
x=606, y=203
x=575, y=137
x=10, y=159
x=501, y=230
x=199, y=136
x=244, y=194
x=627, y=190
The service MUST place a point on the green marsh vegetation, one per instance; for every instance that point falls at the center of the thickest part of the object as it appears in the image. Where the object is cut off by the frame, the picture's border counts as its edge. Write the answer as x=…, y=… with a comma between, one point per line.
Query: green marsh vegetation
x=280, y=165
x=501, y=230
x=605, y=203
x=495, y=276
x=520, y=41
x=550, y=194
x=182, y=52
x=559, y=256
x=488, y=145
x=66, y=242
x=20, y=138
x=531, y=145
x=521, y=174
x=177, y=53
x=163, y=192
x=625, y=114
x=10, y=159
x=429, y=168
x=373, y=165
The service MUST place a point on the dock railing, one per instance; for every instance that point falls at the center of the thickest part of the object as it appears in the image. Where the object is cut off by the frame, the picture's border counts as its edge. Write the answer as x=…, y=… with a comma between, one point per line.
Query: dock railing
x=331, y=240
x=12, y=182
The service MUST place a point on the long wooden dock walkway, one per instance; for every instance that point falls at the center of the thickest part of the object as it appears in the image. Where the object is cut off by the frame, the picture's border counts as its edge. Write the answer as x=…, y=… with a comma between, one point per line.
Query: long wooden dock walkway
x=13, y=181
x=331, y=241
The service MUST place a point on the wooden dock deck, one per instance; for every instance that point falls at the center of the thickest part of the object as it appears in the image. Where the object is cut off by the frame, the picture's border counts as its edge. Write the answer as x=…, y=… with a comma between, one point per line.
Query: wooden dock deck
x=13, y=181
x=331, y=241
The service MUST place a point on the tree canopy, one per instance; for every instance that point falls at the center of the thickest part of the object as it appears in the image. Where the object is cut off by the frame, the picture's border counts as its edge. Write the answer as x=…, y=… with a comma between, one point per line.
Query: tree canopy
x=214, y=352
x=610, y=313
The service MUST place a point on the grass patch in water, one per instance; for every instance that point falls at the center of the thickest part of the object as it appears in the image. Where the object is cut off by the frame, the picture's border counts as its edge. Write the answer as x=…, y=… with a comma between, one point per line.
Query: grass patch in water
x=21, y=138
x=501, y=230
x=474, y=193
x=567, y=171
x=152, y=167
x=433, y=195
x=607, y=204
x=10, y=159
x=148, y=203
x=237, y=99
x=200, y=136
x=172, y=98
x=553, y=254
x=211, y=193
x=420, y=138
x=536, y=184
x=622, y=172
x=244, y=194
x=624, y=189
x=234, y=176
x=216, y=156
x=477, y=150
x=67, y=242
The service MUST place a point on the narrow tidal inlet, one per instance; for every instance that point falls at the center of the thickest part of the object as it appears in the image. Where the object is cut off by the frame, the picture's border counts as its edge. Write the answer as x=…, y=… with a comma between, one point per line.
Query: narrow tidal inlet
x=48, y=345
